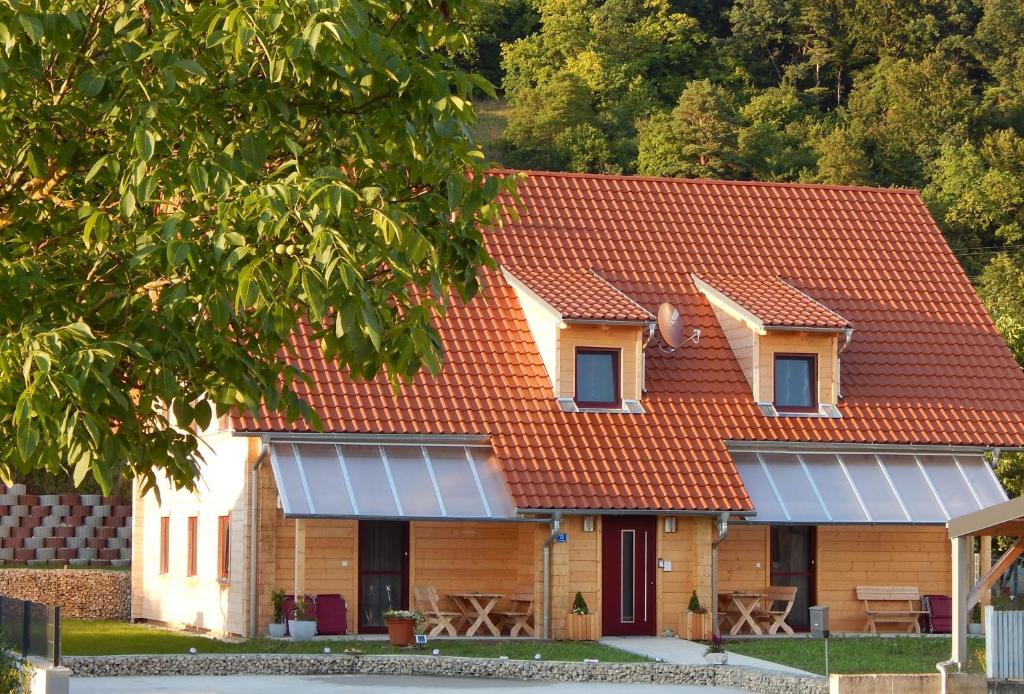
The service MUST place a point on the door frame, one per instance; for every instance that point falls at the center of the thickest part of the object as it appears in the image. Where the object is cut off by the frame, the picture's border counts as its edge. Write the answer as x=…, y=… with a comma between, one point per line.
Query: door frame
x=404, y=604
x=812, y=551
x=611, y=578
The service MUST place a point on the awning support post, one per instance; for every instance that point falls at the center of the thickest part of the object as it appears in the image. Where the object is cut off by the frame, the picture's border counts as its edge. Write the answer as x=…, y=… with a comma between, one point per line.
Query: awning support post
x=300, y=557
x=961, y=587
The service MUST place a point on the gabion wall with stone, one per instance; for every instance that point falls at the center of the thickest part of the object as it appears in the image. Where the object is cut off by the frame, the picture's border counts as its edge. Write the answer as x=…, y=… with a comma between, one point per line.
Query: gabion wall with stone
x=737, y=677
x=80, y=593
x=75, y=529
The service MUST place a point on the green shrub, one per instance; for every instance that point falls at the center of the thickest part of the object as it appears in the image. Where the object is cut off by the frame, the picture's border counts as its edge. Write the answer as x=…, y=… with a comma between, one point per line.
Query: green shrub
x=14, y=673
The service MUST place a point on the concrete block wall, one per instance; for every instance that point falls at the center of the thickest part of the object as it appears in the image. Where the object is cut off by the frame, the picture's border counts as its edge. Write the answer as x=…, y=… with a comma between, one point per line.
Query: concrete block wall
x=65, y=529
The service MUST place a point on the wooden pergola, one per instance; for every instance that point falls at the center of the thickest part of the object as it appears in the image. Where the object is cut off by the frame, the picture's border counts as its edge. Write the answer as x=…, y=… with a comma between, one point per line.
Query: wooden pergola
x=1005, y=519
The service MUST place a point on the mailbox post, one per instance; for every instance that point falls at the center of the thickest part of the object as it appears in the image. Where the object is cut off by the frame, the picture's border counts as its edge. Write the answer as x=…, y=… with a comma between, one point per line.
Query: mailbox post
x=820, y=628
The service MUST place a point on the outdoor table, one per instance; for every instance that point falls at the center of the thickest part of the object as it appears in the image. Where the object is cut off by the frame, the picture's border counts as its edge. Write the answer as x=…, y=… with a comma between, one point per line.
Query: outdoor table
x=745, y=603
x=479, y=606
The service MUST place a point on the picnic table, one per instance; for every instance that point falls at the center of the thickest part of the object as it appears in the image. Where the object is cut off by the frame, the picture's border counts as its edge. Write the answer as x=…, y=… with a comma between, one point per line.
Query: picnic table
x=478, y=607
x=745, y=603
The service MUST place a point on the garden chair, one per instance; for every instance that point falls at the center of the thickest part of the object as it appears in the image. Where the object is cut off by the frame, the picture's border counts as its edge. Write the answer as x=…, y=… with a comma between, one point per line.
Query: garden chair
x=771, y=616
x=331, y=615
x=429, y=604
x=518, y=616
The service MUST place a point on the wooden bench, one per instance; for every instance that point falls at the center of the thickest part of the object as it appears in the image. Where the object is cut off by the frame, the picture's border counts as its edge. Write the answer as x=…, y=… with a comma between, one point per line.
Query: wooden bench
x=897, y=603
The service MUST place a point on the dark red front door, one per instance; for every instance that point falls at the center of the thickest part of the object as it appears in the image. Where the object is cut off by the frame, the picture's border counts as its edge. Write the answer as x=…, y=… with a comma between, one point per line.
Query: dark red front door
x=629, y=570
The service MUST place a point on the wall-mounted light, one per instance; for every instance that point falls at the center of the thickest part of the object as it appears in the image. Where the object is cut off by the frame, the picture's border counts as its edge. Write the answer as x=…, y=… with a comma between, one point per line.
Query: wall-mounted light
x=588, y=524
x=670, y=524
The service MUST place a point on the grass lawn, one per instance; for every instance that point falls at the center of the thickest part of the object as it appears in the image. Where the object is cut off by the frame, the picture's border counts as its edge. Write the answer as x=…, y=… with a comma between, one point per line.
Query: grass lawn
x=85, y=637
x=853, y=655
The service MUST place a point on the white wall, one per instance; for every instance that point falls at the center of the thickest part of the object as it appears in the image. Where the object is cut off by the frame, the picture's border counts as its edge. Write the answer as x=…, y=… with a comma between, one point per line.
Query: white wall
x=200, y=601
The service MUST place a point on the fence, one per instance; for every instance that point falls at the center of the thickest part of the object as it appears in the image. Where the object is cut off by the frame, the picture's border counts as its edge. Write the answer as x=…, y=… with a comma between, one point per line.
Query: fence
x=30, y=628
x=1004, y=634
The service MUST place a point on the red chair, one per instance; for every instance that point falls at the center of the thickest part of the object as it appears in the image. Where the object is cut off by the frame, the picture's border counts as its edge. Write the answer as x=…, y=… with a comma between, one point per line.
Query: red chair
x=940, y=613
x=331, y=615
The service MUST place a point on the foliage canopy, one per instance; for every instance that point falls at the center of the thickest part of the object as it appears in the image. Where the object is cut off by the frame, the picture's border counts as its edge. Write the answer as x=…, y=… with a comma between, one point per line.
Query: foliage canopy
x=184, y=185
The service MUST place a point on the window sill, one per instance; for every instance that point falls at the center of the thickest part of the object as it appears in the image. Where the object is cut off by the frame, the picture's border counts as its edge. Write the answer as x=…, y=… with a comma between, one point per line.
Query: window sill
x=822, y=412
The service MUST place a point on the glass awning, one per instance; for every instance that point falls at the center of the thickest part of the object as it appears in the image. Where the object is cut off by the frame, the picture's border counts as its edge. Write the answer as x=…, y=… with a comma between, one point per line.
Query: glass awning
x=389, y=480
x=865, y=485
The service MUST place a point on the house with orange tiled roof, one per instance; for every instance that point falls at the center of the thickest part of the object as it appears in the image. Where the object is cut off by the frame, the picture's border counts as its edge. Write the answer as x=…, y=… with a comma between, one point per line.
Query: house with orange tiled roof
x=822, y=392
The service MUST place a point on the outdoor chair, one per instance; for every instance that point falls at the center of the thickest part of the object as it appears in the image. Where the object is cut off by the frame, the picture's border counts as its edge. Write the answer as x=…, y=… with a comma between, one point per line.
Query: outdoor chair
x=940, y=613
x=430, y=605
x=331, y=615
x=518, y=616
x=775, y=607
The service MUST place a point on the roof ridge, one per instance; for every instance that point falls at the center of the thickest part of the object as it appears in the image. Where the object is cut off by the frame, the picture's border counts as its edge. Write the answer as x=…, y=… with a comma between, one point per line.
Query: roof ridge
x=709, y=181
x=624, y=294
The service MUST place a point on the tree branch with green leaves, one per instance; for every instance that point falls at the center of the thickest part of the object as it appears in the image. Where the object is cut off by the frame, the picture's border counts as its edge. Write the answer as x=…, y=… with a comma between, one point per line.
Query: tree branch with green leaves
x=187, y=184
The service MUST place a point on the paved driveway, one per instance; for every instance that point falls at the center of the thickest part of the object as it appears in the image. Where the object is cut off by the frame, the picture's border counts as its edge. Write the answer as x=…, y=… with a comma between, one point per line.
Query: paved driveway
x=347, y=684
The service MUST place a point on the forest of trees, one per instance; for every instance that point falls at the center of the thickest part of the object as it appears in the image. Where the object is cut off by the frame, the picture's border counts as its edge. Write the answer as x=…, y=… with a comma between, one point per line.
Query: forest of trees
x=927, y=94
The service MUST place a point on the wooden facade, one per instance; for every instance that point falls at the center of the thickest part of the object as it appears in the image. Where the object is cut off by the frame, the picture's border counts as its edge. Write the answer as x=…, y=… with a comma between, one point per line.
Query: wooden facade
x=490, y=556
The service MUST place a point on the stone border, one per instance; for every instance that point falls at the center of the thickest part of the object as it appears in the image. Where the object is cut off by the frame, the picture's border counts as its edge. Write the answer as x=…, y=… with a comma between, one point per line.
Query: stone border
x=734, y=676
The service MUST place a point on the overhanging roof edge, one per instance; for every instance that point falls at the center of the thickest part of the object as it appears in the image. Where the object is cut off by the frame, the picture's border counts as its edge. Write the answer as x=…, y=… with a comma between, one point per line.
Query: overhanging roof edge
x=331, y=437
x=978, y=521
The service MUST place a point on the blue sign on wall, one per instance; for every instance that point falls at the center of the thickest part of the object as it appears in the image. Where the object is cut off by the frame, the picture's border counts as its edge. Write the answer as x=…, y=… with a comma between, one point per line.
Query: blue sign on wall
x=561, y=537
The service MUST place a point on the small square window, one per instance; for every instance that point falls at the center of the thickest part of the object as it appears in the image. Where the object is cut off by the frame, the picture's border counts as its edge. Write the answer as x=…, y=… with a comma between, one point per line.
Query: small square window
x=597, y=378
x=796, y=381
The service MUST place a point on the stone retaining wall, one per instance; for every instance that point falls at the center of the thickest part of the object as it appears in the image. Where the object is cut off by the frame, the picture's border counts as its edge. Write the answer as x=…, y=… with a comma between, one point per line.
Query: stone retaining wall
x=80, y=593
x=447, y=666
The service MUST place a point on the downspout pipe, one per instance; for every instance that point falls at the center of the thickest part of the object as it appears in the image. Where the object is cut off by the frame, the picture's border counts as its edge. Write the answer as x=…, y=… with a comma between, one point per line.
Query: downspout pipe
x=556, y=522
x=722, y=526
x=254, y=532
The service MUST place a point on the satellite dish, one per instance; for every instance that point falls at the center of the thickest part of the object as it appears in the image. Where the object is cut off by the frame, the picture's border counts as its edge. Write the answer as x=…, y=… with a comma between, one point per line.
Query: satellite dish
x=670, y=324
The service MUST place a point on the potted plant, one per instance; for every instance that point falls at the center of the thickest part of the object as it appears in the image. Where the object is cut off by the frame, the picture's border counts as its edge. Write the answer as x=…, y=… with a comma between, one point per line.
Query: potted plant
x=974, y=626
x=403, y=625
x=300, y=626
x=277, y=628
x=582, y=622
x=715, y=653
x=696, y=620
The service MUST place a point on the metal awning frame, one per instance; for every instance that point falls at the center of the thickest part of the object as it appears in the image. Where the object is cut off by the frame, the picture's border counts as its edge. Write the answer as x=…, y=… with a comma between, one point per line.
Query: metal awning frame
x=799, y=450
x=420, y=442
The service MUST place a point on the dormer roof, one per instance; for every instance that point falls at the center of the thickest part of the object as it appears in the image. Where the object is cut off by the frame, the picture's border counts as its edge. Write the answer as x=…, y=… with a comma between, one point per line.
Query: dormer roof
x=579, y=294
x=765, y=302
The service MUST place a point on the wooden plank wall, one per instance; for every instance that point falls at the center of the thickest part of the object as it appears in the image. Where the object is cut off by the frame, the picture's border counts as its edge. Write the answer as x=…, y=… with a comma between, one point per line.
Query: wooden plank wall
x=689, y=550
x=485, y=556
x=850, y=556
x=742, y=340
x=743, y=558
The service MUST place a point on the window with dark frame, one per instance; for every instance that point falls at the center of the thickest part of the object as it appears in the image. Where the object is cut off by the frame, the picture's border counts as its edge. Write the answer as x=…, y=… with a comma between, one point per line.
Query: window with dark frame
x=193, y=536
x=597, y=378
x=796, y=382
x=165, y=542
x=223, y=547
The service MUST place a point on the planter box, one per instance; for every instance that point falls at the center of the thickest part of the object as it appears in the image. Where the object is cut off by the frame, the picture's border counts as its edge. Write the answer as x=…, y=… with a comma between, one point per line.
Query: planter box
x=277, y=630
x=583, y=627
x=696, y=626
x=301, y=630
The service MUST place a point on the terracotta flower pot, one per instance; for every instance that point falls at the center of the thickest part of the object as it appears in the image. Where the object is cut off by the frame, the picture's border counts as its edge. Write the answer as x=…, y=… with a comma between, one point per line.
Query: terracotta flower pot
x=401, y=632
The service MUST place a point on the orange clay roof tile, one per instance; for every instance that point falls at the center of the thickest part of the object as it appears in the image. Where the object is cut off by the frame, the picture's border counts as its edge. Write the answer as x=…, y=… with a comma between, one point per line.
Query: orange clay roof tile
x=775, y=302
x=925, y=366
x=580, y=294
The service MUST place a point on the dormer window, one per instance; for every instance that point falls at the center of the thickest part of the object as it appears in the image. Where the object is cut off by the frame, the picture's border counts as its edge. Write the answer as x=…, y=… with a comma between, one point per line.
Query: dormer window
x=787, y=343
x=796, y=380
x=597, y=378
